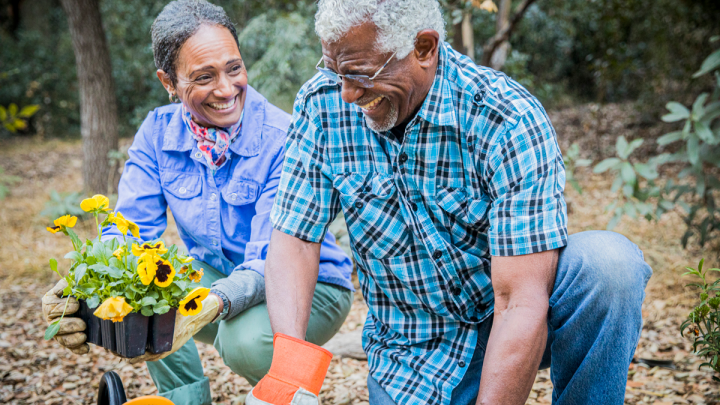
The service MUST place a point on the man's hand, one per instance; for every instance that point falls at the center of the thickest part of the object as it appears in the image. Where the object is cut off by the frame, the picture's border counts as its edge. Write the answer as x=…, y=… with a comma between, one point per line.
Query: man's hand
x=186, y=327
x=522, y=286
x=72, y=329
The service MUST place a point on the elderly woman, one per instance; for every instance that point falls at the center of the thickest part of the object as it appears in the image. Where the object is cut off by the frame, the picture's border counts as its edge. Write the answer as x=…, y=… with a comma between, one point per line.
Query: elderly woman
x=214, y=157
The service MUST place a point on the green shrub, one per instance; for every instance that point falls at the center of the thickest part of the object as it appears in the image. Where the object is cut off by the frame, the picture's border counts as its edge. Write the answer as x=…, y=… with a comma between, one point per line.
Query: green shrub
x=63, y=204
x=703, y=322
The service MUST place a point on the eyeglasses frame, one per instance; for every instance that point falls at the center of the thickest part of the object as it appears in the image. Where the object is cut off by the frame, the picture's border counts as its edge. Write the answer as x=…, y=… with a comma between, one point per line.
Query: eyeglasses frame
x=337, y=77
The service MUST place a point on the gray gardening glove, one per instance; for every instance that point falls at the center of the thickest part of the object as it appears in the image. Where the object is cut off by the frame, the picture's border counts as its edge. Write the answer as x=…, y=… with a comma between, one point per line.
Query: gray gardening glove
x=72, y=329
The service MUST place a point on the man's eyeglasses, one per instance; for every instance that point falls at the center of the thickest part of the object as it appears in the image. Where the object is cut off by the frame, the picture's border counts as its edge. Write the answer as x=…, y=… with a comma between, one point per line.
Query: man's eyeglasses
x=358, y=80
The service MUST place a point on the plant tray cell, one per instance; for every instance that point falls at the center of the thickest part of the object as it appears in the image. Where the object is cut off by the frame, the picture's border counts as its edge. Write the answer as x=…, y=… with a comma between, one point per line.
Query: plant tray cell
x=132, y=335
x=161, y=331
x=92, y=322
x=107, y=333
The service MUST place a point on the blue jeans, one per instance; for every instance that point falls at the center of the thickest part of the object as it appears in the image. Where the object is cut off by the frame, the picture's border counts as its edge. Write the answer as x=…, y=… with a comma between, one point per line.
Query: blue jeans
x=594, y=324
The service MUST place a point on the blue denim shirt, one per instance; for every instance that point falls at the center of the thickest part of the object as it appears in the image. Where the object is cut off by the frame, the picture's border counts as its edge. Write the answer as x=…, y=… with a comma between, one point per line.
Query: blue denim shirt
x=223, y=218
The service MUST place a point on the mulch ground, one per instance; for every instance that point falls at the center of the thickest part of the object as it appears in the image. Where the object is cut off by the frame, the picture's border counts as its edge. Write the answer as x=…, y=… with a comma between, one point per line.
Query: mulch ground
x=39, y=372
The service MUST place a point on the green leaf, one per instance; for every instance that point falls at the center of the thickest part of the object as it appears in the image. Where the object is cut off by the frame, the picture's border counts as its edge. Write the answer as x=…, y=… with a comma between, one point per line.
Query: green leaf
x=693, y=150
x=670, y=138
x=583, y=162
x=93, y=301
x=53, y=266
x=710, y=63
x=12, y=109
x=628, y=173
x=52, y=330
x=606, y=164
x=80, y=271
x=28, y=111
x=698, y=106
x=646, y=171
x=147, y=311
x=74, y=256
x=677, y=112
x=114, y=272
x=621, y=146
x=615, y=220
x=704, y=132
x=617, y=183
x=161, y=309
x=148, y=301
x=636, y=143
x=3, y=113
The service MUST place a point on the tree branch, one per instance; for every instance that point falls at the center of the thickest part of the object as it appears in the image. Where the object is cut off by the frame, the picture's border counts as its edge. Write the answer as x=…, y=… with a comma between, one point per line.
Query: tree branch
x=503, y=35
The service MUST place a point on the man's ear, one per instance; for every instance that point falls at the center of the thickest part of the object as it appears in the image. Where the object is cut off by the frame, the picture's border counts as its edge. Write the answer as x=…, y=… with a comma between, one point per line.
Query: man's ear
x=426, y=47
x=165, y=80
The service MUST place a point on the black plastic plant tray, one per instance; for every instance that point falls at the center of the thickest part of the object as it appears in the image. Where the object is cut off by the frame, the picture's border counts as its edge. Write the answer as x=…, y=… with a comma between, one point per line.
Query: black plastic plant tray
x=131, y=335
x=161, y=331
x=93, y=323
x=108, y=334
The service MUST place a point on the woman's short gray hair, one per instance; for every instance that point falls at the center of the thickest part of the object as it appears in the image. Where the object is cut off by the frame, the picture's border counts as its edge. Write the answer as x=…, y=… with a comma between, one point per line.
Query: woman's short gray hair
x=177, y=22
x=398, y=21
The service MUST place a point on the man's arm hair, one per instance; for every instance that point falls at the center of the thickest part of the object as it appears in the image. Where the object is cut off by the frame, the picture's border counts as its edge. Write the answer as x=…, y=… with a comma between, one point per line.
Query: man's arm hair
x=522, y=286
x=291, y=272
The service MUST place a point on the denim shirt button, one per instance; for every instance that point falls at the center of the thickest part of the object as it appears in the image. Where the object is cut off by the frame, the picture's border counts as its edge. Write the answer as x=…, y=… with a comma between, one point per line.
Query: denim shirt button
x=213, y=197
x=233, y=196
x=461, y=363
x=182, y=190
x=437, y=254
x=198, y=155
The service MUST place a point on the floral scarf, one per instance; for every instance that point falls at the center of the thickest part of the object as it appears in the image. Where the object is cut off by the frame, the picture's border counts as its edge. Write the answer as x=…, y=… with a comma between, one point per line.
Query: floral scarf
x=212, y=142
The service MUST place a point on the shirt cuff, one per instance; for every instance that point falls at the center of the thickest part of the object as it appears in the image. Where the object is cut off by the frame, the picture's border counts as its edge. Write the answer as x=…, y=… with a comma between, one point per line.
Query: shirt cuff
x=243, y=288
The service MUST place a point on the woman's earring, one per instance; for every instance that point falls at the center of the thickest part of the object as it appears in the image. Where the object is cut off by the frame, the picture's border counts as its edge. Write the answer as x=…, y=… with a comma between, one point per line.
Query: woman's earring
x=173, y=98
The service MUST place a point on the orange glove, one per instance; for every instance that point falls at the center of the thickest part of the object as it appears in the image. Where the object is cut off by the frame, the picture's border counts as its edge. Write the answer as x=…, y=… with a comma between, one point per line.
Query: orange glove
x=296, y=374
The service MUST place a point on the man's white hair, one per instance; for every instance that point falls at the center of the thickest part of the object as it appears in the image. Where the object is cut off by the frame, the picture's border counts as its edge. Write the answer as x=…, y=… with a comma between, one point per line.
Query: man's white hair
x=397, y=21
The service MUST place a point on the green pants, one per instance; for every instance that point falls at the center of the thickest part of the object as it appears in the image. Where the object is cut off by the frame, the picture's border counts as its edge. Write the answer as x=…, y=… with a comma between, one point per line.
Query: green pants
x=244, y=342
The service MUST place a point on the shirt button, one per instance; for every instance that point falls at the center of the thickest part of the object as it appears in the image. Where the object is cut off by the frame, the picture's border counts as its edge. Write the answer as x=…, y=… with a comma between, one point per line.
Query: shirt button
x=182, y=190
x=198, y=155
x=413, y=206
x=437, y=254
x=403, y=157
x=358, y=204
x=214, y=242
x=461, y=363
x=213, y=196
x=233, y=196
x=478, y=97
x=471, y=148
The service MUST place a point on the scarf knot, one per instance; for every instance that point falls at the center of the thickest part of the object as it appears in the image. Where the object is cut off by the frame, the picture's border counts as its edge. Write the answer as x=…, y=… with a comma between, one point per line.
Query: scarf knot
x=212, y=142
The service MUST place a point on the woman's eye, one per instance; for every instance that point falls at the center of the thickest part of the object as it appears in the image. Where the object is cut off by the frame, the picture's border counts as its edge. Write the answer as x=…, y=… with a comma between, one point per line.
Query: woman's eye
x=203, y=78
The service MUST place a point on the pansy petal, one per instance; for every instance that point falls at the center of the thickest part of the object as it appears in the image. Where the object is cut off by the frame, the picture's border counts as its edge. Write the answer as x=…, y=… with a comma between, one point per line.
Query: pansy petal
x=88, y=204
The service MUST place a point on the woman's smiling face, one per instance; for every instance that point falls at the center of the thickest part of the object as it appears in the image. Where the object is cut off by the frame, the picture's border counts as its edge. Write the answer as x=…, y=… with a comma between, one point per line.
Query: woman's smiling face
x=211, y=77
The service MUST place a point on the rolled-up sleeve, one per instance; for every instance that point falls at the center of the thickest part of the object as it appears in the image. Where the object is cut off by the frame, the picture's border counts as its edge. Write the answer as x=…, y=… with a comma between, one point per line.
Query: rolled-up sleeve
x=526, y=180
x=306, y=200
x=140, y=194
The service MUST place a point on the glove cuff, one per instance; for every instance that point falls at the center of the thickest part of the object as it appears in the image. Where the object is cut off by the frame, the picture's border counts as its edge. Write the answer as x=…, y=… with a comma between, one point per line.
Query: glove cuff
x=299, y=363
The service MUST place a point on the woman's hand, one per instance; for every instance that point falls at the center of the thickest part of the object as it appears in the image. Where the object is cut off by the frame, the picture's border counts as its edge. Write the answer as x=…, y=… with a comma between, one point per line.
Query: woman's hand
x=72, y=329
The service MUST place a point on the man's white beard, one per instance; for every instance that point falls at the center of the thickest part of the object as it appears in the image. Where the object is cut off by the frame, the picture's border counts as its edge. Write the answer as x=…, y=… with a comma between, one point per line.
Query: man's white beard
x=387, y=123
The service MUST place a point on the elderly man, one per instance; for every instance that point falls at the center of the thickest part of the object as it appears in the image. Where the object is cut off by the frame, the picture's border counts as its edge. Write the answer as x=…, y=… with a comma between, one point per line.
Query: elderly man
x=451, y=182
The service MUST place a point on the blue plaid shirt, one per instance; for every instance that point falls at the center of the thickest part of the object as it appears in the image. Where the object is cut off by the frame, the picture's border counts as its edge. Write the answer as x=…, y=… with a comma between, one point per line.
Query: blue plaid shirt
x=479, y=174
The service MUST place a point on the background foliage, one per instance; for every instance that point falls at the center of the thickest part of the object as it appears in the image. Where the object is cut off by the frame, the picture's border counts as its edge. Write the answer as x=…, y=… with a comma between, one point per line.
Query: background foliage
x=563, y=50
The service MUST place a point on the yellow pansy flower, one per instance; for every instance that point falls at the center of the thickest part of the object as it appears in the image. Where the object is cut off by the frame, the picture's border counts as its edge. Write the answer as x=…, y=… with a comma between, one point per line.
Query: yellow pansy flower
x=192, y=303
x=119, y=252
x=149, y=247
x=65, y=221
x=147, y=267
x=165, y=273
x=114, y=309
x=98, y=203
x=196, y=275
x=124, y=225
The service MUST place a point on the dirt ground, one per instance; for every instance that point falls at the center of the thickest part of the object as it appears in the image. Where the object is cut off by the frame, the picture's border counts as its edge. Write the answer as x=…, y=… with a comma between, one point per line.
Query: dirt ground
x=35, y=371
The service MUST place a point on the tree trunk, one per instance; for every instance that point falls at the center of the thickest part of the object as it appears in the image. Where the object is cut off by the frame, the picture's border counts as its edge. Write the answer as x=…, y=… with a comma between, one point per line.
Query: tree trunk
x=467, y=35
x=498, y=58
x=98, y=108
x=504, y=34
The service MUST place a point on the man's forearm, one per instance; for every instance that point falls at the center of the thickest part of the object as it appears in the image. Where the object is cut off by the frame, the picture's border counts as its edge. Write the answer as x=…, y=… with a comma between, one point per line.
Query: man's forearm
x=291, y=271
x=514, y=351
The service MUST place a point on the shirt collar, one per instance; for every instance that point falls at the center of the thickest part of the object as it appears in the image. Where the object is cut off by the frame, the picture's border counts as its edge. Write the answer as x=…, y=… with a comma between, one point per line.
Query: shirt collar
x=178, y=137
x=439, y=105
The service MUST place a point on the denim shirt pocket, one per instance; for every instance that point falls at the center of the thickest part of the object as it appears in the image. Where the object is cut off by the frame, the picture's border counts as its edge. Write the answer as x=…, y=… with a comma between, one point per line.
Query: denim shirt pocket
x=181, y=186
x=240, y=192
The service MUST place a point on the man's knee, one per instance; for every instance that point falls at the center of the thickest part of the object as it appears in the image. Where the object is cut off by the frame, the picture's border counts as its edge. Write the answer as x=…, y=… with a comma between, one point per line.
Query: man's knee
x=248, y=352
x=612, y=264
